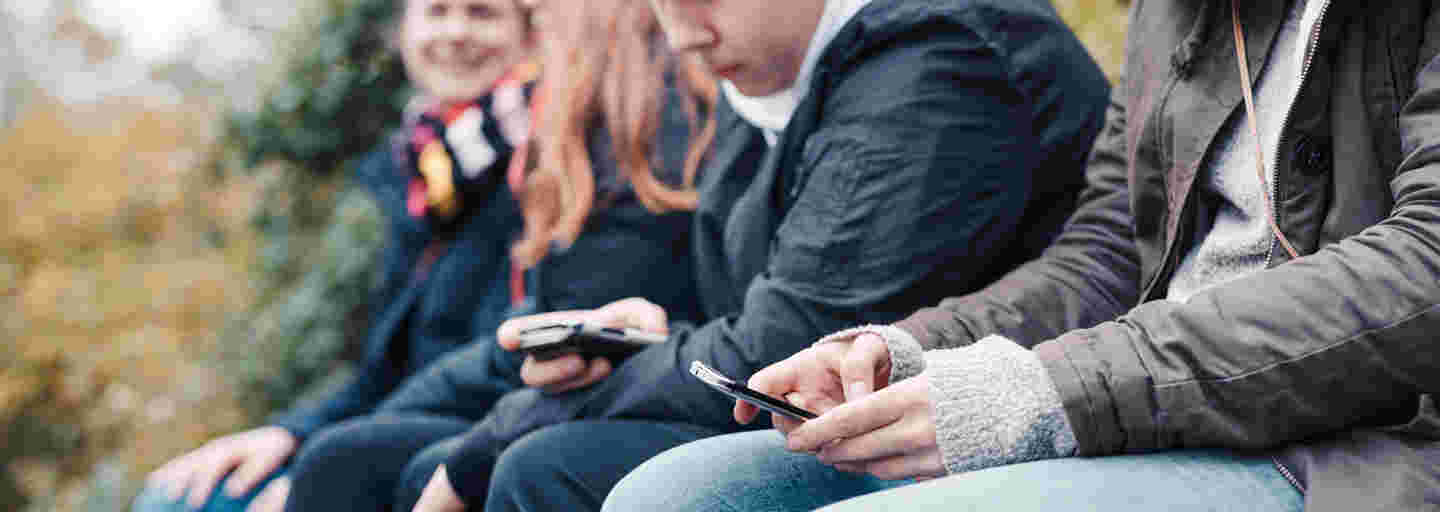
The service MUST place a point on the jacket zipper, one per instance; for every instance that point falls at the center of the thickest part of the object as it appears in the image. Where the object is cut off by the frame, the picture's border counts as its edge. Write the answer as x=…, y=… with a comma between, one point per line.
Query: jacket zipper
x=1285, y=123
x=1289, y=477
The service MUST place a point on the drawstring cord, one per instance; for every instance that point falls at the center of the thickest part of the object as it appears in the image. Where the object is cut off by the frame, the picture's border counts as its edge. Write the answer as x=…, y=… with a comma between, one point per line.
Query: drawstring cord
x=1240, y=55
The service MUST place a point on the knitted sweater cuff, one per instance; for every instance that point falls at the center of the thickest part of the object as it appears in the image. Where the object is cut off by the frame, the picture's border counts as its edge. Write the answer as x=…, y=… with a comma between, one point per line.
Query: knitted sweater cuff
x=906, y=357
x=994, y=405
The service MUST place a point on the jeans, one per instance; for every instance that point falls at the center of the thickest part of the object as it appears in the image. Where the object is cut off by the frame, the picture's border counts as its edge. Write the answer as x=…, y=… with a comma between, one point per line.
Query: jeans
x=572, y=466
x=152, y=499
x=753, y=472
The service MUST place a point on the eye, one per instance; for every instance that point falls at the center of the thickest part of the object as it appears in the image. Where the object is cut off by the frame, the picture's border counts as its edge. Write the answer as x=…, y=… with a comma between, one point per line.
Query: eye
x=436, y=10
x=481, y=11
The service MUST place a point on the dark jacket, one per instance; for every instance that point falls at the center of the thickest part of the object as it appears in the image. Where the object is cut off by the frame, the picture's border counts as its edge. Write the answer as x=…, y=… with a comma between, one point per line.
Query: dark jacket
x=1331, y=359
x=624, y=251
x=940, y=145
x=420, y=315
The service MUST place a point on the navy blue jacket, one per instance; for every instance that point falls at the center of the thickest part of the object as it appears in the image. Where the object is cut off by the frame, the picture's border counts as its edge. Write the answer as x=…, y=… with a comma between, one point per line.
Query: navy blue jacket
x=419, y=318
x=941, y=144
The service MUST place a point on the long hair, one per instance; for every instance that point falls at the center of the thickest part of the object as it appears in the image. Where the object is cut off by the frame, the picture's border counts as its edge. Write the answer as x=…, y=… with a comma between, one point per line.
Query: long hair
x=604, y=61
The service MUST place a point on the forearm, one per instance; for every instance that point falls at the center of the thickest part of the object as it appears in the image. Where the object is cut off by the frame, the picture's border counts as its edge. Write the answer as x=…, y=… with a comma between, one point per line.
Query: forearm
x=1335, y=339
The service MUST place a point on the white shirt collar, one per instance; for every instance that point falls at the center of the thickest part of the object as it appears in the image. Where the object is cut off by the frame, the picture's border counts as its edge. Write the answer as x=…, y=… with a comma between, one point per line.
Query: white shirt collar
x=772, y=113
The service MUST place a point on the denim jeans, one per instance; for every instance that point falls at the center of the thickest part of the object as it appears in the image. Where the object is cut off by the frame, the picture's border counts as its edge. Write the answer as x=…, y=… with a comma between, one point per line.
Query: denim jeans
x=753, y=472
x=572, y=466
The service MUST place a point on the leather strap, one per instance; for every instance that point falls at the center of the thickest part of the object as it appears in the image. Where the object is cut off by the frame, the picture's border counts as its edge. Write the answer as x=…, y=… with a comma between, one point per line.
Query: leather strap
x=1240, y=56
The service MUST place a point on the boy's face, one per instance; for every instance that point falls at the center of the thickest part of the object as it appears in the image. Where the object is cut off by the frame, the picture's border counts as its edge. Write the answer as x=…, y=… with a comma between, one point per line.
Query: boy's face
x=455, y=50
x=756, y=44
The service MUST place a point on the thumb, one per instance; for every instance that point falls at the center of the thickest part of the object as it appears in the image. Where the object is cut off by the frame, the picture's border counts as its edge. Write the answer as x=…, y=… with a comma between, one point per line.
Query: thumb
x=634, y=313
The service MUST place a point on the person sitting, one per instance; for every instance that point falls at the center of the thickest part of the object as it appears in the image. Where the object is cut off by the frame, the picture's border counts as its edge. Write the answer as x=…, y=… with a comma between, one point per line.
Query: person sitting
x=606, y=184
x=1239, y=316
x=449, y=221
x=910, y=147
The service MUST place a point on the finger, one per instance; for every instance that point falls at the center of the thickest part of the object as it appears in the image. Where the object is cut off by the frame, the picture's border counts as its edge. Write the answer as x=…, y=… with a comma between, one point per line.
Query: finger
x=508, y=335
x=775, y=380
x=778, y=379
x=848, y=420
x=634, y=313
x=542, y=374
x=816, y=403
x=208, y=475
x=172, y=477
x=251, y=472
x=914, y=465
x=860, y=365
x=598, y=369
x=744, y=412
x=272, y=499
x=785, y=425
x=894, y=440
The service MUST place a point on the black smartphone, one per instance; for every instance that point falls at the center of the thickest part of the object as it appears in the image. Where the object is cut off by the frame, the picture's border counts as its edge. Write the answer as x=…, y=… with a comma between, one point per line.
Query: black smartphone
x=554, y=340
x=739, y=391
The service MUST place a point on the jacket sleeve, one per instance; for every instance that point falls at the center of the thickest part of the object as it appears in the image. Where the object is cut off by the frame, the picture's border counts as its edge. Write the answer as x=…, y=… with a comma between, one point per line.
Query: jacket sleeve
x=1088, y=275
x=360, y=393
x=1341, y=338
x=923, y=162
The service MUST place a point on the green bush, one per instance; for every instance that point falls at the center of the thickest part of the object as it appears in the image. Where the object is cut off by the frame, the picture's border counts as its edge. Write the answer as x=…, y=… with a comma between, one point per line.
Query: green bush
x=339, y=92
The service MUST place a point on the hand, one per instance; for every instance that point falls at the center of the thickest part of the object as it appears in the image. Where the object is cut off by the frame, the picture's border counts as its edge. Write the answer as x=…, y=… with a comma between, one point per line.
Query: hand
x=272, y=499
x=889, y=434
x=573, y=371
x=822, y=377
x=252, y=454
x=439, y=495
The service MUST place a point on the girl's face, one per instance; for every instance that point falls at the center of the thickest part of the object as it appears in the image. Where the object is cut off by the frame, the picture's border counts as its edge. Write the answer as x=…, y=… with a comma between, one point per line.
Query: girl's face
x=455, y=50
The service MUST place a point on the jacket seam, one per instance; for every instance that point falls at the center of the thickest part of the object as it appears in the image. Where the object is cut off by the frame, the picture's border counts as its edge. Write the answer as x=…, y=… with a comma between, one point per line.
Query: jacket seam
x=1427, y=309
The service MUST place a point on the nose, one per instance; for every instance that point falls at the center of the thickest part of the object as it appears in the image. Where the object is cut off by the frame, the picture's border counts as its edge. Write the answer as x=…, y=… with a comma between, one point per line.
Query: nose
x=684, y=32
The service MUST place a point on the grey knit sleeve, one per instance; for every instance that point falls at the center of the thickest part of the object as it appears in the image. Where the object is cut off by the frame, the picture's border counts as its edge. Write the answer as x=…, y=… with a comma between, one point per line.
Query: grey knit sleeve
x=906, y=357
x=994, y=404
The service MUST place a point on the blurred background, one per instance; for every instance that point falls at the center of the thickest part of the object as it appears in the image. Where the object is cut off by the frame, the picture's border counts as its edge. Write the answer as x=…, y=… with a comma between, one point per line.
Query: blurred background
x=181, y=252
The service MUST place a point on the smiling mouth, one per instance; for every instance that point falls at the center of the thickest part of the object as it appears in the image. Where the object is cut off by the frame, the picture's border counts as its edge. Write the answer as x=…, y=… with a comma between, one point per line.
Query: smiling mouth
x=726, y=71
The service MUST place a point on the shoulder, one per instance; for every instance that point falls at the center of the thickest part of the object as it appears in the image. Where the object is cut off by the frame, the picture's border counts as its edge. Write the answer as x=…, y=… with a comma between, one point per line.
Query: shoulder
x=899, y=35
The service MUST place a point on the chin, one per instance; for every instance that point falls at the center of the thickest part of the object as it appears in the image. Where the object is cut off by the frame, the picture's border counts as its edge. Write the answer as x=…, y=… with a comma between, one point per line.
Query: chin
x=757, y=90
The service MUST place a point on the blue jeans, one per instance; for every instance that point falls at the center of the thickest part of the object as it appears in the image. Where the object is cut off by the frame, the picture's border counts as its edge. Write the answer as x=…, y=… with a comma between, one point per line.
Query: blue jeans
x=572, y=466
x=753, y=472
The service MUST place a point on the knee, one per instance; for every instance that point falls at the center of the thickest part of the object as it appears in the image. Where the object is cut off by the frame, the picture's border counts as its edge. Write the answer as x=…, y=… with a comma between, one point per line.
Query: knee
x=536, y=459
x=419, y=470
x=724, y=473
x=333, y=449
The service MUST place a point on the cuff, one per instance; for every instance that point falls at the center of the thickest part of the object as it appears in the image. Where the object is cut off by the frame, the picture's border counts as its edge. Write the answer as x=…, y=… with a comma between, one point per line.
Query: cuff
x=994, y=404
x=907, y=359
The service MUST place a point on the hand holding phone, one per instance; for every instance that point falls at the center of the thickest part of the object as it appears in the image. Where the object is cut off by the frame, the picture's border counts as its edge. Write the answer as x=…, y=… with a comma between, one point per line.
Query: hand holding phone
x=554, y=340
x=740, y=392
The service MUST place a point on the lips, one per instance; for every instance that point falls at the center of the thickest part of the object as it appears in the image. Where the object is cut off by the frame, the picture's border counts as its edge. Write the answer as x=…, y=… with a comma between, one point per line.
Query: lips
x=726, y=71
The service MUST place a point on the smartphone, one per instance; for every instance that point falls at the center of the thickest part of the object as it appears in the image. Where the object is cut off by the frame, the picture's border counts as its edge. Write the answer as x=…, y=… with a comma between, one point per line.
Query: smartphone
x=740, y=392
x=548, y=342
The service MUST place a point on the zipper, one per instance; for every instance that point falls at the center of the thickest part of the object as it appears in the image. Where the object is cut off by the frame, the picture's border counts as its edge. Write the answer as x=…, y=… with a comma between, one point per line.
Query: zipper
x=1285, y=472
x=1285, y=124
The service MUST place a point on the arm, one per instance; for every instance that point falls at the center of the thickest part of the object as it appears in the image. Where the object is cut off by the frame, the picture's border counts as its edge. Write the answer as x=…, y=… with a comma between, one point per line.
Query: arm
x=1339, y=338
